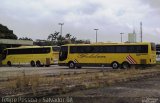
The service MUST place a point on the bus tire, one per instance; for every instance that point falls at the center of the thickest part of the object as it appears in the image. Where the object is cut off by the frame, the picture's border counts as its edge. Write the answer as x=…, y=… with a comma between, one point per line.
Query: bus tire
x=136, y=67
x=115, y=65
x=9, y=63
x=79, y=67
x=71, y=65
x=32, y=63
x=42, y=65
x=125, y=65
x=38, y=63
x=47, y=65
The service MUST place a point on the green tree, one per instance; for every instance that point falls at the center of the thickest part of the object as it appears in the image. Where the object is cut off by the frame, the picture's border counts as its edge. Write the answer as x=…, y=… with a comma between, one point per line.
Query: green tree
x=5, y=33
x=56, y=39
x=53, y=37
x=61, y=40
x=25, y=38
x=73, y=40
x=68, y=37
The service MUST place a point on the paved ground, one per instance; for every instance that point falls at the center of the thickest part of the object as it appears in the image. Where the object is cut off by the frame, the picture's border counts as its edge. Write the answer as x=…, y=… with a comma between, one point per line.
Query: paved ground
x=144, y=90
x=118, y=93
x=52, y=70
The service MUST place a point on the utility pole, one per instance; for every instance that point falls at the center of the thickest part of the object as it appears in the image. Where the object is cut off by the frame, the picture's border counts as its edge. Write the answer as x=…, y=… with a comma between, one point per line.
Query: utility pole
x=61, y=24
x=121, y=37
x=141, y=31
x=96, y=34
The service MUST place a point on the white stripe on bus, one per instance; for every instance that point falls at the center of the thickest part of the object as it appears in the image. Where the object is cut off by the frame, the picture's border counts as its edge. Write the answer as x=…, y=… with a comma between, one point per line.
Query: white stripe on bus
x=129, y=60
x=133, y=59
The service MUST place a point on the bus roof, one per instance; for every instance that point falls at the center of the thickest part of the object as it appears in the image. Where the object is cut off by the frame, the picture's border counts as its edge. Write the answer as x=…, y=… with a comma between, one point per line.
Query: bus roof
x=126, y=43
x=31, y=47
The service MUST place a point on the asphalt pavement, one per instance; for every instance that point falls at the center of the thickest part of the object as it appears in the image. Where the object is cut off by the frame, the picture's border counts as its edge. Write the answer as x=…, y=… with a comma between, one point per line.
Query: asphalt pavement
x=140, y=91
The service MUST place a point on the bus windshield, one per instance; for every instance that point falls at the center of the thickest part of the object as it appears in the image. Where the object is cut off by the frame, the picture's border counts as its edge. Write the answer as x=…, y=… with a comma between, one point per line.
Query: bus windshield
x=4, y=53
x=153, y=47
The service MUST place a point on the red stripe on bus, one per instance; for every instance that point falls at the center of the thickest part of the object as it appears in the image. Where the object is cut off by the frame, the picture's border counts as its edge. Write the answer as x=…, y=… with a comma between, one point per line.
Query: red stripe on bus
x=133, y=59
x=129, y=59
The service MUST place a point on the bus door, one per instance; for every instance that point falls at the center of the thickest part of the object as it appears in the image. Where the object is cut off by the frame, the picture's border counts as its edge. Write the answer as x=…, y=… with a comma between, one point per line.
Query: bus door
x=63, y=53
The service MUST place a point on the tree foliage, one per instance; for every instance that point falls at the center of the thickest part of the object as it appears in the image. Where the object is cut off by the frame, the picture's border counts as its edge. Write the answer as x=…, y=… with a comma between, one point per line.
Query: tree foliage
x=5, y=33
x=56, y=39
x=25, y=38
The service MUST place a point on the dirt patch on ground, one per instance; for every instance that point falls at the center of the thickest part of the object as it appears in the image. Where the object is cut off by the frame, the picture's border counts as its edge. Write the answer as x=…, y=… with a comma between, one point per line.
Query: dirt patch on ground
x=140, y=91
x=37, y=85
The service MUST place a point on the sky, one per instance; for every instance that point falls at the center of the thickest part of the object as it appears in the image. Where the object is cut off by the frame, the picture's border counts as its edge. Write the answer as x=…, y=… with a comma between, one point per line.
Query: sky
x=37, y=19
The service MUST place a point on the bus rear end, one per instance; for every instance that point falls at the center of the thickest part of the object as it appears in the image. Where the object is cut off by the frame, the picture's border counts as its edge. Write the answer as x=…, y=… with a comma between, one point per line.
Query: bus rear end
x=55, y=54
x=152, y=53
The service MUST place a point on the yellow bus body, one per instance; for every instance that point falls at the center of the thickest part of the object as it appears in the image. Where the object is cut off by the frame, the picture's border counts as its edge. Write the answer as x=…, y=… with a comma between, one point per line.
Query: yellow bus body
x=44, y=58
x=103, y=59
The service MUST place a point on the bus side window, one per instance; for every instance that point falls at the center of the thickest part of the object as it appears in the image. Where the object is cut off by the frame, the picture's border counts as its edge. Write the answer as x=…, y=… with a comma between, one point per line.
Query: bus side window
x=88, y=49
x=80, y=49
x=73, y=49
x=112, y=49
x=97, y=49
x=131, y=49
x=56, y=49
x=121, y=49
x=144, y=48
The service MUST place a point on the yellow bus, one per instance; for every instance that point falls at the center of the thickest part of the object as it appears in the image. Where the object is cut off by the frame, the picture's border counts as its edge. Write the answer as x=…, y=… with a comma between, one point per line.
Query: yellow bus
x=33, y=55
x=116, y=55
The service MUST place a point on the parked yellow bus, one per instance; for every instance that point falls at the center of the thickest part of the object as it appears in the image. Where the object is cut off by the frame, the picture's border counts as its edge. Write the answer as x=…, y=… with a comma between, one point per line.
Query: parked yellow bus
x=116, y=55
x=33, y=55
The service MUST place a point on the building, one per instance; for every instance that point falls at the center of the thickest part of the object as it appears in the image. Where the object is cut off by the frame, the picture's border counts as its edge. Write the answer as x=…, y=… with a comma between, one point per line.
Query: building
x=16, y=42
x=13, y=43
x=132, y=37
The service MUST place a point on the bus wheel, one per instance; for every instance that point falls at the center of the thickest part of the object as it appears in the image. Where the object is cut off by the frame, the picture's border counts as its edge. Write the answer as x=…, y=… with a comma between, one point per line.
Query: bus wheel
x=9, y=63
x=115, y=65
x=38, y=63
x=71, y=65
x=125, y=65
x=32, y=63
x=79, y=67
x=47, y=65
x=41, y=65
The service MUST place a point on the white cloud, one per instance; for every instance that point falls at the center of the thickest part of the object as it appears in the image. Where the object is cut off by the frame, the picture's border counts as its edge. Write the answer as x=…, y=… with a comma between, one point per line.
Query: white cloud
x=38, y=18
